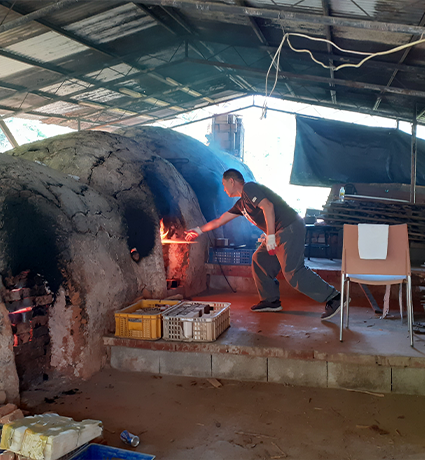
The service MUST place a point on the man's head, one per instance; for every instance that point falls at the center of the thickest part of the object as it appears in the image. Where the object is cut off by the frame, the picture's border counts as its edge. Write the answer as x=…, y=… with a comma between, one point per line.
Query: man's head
x=233, y=182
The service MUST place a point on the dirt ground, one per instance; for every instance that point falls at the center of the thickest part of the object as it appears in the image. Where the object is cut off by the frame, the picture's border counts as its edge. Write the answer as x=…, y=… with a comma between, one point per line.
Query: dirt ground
x=188, y=418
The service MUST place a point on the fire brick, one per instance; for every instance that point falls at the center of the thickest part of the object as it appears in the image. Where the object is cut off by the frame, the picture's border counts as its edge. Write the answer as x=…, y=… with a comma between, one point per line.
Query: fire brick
x=26, y=292
x=23, y=328
x=11, y=296
x=40, y=331
x=38, y=321
x=43, y=300
x=19, y=304
x=23, y=338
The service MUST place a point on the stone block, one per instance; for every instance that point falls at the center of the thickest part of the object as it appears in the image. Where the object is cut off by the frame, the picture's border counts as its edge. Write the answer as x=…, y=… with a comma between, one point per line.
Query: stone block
x=135, y=359
x=7, y=409
x=298, y=372
x=239, y=367
x=409, y=381
x=15, y=415
x=189, y=364
x=355, y=376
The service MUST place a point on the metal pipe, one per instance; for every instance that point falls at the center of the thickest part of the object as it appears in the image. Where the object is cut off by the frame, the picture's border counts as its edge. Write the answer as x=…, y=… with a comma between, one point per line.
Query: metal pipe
x=36, y=15
x=414, y=158
x=283, y=15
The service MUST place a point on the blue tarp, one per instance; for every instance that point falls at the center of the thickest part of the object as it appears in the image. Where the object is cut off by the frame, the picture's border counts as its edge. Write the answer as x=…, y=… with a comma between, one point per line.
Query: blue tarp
x=329, y=152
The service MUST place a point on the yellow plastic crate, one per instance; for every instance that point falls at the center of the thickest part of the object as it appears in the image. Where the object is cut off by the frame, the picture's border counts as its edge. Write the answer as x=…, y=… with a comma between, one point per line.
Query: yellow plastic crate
x=145, y=327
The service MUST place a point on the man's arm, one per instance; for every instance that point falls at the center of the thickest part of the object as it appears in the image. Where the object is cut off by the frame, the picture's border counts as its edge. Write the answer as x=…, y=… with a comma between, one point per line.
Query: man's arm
x=268, y=210
x=213, y=224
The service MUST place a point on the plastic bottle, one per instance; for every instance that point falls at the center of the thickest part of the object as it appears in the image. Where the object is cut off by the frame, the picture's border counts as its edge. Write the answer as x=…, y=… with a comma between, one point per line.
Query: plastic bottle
x=341, y=193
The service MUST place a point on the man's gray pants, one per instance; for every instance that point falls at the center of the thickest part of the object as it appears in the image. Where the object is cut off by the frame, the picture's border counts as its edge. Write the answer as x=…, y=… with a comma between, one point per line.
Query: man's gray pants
x=290, y=259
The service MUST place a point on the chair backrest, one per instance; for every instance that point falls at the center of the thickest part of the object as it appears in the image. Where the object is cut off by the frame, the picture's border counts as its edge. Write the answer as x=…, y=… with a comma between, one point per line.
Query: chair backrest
x=396, y=263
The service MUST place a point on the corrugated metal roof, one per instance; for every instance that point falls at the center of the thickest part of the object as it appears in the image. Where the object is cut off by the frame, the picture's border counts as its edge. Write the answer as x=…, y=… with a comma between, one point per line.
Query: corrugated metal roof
x=104, y=62
x=112, y=24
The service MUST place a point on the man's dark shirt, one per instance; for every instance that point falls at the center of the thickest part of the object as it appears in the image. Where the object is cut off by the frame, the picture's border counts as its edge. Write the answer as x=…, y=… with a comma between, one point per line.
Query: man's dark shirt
x=247, y=206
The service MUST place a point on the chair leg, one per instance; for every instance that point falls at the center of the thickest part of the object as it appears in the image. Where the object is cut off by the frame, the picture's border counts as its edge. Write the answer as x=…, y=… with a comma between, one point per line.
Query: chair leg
x=348, y=302
x=400, y=300
x=410, y=309
x=342, y=307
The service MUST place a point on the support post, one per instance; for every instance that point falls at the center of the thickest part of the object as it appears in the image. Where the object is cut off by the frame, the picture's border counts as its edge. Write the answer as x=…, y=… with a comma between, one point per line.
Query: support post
x=8, y=134
x=414, y=157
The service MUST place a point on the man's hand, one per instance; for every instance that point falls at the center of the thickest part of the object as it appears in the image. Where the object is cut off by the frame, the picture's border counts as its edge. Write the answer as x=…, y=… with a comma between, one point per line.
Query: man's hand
x=192, y=234
x=271, y=244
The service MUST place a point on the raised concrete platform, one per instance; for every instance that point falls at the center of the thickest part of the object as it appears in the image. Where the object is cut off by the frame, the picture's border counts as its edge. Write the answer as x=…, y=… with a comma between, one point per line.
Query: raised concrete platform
x=292, y=347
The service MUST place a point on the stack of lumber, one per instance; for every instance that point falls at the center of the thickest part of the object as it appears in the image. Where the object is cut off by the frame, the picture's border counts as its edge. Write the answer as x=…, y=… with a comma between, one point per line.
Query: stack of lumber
x=356, y=209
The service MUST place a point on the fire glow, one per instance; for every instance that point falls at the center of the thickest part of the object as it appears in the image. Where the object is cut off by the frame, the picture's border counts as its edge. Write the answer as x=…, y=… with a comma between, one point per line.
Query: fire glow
x=164, y=233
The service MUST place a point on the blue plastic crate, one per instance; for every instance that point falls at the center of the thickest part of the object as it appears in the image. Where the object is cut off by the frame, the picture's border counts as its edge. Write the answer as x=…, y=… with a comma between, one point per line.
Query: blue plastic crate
x=230, y=256
x=101, y=452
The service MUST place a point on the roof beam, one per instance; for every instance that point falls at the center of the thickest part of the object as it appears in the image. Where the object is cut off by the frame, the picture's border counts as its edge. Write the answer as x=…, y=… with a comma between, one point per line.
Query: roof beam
x=36, y=15
x=282, y=14
x=401, y=60
x=325, y=8
x=258, y=32
x=317, y=79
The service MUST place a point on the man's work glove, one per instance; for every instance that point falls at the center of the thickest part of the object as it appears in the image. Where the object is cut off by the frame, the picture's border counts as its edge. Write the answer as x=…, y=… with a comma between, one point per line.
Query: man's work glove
x=192, y=233
x=271, y=244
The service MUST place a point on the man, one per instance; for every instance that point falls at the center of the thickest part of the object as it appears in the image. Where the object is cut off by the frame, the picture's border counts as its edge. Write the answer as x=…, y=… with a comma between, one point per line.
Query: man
x=282, y=248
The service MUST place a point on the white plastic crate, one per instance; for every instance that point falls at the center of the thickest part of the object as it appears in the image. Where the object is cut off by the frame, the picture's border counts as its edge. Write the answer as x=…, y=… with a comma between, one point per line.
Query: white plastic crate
x=181, y=324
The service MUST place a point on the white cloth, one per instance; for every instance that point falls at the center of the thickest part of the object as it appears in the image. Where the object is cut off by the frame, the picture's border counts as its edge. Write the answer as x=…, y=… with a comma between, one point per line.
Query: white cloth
x=373, y=241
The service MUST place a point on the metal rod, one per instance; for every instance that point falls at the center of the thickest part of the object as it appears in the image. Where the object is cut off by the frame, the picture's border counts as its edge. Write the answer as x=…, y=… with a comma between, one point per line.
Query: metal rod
x=283, y=15
x=414, y=157
x=8, y=134
x=36, y=15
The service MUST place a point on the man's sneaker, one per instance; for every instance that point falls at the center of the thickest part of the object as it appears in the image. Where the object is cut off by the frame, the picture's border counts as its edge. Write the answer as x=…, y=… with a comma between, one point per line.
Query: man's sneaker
x=264, y=305
x=332, y=307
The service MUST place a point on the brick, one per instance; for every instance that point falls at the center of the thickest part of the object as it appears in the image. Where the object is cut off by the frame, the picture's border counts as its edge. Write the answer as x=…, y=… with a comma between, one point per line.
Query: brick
x=11, y=296
x=40, y=331
x=189, y=364
x=135, y=359
x=39, y=321
x=239, y=367
x=43, y=300
x=15, y=415
x=7, y=409
x=298, y=372
x=26, y=292
x=354, y=376
x=22, y=328
x=19, y=304
x=22, y=339
x=409, y=381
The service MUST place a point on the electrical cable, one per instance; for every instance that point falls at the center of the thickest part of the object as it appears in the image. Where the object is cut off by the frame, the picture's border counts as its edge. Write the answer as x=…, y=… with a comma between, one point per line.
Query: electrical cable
x=222, y=271
x=342, y=66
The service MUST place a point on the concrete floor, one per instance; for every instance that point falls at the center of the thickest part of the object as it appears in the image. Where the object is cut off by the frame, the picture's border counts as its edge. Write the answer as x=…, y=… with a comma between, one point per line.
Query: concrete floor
x=182, y=418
